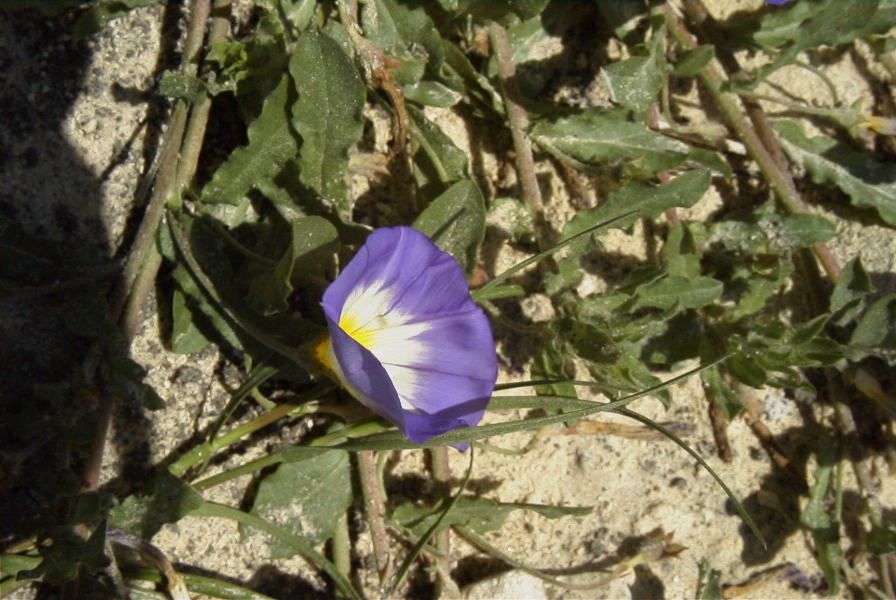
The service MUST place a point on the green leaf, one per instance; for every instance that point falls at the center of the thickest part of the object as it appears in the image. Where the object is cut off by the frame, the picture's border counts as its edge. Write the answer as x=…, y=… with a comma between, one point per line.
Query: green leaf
x=566, y=277
x=296, y=13
x=271, y=143
x=636, y=81
x=327, y=115
x=169, y=500
x=549, y=363
x=754, y=291
x=679, y=254
x=175, y=85
x=312, y=240
x=882, y=538
x=305, y=498
x=405, y=32
x=807, y=25
x=437, y=159
x=868, y=184
x=455, y=221
x=681, y=292
x=848, y=297
x=431, y=93
x=875, y=332
x=691, y=61
x=721, y=394
x=649, y=201
x=594, y=136
x=708, y=582
x=825, y=530
x=523, y=40
x=480, y=515
x=792, y=232
x=186, y=337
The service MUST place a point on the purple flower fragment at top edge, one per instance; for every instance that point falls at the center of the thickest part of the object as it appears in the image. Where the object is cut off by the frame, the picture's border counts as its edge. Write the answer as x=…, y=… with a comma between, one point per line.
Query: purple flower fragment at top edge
x=406, y=339
x=777, y=1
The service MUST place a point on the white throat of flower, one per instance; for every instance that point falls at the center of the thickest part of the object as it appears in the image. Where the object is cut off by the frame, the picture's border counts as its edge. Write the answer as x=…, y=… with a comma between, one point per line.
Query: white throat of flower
x=388, y=331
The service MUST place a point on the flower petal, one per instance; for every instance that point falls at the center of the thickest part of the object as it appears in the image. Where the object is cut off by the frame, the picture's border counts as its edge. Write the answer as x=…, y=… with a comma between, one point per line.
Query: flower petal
x=407, y=339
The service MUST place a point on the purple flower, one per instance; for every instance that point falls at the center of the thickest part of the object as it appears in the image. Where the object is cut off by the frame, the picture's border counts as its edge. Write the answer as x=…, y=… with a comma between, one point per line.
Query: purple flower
x=777, y=1
x=406, y=339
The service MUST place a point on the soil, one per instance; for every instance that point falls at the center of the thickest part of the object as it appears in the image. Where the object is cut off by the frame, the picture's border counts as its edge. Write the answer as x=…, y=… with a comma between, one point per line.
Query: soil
x=79, y=127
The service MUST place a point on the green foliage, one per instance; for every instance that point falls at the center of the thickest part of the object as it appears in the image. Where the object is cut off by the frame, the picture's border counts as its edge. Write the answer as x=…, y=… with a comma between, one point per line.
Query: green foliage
x=327, y=115
x=821, y=523
x=479, y=515
x=168, y=501
x=635, y=82
x=808, y=25
x=305, y=498
x=456, y=222
x=708, y=585
x=868, y=184
x=252, y=242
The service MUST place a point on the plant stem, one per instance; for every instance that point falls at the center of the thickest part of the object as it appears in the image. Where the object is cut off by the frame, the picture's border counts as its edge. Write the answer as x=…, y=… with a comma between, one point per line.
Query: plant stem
x=342, y=547
x=375, y=513
x=713, y=78
x=205, y=450
x=125, y=305
x=519, y=124
x=441, y=470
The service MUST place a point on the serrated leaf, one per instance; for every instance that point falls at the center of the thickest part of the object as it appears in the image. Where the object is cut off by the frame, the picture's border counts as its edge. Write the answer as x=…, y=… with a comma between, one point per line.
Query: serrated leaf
x=636, y=81
x=868, y=184
x=305, y=498
x=455, y=221
x=327, y=115
x=649, y=201
x=271, y=143
x=593, y=136
x=681, y=292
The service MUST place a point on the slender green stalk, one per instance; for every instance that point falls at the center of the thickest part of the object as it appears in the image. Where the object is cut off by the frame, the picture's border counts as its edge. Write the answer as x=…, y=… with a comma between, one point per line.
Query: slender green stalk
x=342, y=547
x=298, y=544
x=204, y=450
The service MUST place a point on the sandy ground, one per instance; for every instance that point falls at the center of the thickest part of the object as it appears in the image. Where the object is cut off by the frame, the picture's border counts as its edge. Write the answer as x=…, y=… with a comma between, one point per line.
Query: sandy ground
x=78, y=125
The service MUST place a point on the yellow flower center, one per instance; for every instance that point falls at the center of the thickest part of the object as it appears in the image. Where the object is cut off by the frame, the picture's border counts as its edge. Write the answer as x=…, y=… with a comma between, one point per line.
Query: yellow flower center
x=360, y=332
